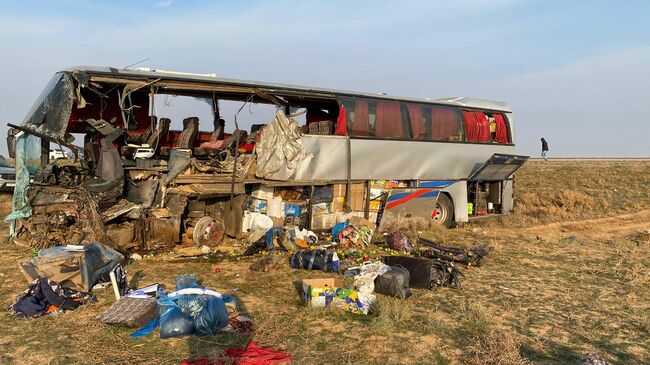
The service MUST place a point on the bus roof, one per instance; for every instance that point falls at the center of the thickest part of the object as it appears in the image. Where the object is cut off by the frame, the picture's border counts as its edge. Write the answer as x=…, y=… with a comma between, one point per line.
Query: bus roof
x=189, y=78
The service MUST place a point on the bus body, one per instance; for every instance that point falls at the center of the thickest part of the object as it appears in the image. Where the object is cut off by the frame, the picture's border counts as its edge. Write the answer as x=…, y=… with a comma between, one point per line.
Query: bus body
x=358, y=153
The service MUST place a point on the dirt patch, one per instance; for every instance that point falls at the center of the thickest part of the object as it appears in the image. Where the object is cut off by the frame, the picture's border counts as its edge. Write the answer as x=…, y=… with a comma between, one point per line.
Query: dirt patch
x=553, y=288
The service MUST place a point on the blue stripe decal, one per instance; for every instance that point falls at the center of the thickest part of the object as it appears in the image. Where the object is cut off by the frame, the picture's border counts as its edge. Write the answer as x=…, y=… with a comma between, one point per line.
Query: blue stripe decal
x=436, y=184
x=430, y=194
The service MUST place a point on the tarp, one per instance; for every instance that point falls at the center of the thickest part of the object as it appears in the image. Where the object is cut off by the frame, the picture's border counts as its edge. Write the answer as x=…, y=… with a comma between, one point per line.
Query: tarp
x=280, y=149
x=28, y=153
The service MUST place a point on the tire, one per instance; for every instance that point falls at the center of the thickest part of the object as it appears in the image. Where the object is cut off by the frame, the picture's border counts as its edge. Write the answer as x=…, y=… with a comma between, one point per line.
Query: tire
x=444, y=214
x=208, y=231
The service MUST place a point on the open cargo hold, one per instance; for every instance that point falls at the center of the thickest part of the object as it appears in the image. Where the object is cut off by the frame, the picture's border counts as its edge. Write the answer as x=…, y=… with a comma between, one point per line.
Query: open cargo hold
x=137, y=184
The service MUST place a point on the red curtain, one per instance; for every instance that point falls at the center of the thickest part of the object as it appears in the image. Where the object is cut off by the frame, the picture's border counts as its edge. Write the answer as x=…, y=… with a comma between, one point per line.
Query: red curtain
x=361, y=123
x=389, y=120
x=501, y=131
x=341, y=122
x=444, y=123
x=417, y=123
x=477, y=127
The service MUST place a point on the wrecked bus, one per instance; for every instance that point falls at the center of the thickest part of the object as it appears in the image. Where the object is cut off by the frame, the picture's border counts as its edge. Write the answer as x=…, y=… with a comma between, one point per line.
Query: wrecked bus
x=136, y=183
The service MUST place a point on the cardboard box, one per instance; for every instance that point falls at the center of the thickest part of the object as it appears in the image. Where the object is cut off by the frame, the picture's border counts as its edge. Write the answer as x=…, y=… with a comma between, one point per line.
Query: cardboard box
x=313, y=288
x=330, y=292
x=256, y=205
x=262, y=192
x=380, y=184
x=320, y=209
x=375, y=205
x=337, y=204
x=324, y=221
x=376, y=193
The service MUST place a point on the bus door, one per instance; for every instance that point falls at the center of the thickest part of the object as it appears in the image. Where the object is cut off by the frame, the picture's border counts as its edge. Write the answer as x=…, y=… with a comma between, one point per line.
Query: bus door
x=486, y=186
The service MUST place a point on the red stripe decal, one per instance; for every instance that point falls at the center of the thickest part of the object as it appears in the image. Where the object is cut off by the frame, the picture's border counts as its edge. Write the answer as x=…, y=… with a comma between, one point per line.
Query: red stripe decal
x=407, y=198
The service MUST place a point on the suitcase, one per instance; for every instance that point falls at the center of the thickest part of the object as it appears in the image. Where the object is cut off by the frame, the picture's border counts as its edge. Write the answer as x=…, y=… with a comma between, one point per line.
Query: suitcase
x=427, y=273
x=130, y=312
x=394, y=283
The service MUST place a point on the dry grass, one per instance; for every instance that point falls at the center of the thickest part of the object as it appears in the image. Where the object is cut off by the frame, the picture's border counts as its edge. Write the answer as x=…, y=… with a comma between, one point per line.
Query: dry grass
x=559, y=283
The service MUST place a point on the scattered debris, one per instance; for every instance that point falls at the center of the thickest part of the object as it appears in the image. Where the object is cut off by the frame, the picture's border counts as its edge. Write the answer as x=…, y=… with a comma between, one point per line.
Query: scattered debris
x=471, y=256
x=427, y=273
x=46, y=296
x=268, y=264
x=315, y=260
x=331, y=292
x=593, y=359
x=252, y=354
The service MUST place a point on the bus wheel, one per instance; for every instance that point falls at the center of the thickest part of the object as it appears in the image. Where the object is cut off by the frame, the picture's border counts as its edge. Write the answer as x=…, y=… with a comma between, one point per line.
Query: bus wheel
x=444, y=213
x=208, y=231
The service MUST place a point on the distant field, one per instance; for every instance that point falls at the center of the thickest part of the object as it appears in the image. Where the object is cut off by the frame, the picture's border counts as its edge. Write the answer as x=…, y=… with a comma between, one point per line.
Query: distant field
x=568, y=274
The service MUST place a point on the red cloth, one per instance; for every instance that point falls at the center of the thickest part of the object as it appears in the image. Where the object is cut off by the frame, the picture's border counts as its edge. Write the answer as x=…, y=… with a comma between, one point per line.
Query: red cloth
x=251, y=355
x=341, y=123
x=417, y=122
x=361, y=122
x=389, y=120
x=502, y=130
x=444, y=123
x=477, y=127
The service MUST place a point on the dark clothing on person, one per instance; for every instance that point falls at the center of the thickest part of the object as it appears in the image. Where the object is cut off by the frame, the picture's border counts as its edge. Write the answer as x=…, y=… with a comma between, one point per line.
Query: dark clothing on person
x=544, y=145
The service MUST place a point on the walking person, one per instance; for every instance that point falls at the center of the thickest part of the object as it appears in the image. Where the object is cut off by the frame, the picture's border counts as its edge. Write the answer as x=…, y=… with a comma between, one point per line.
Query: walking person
x=544, y=149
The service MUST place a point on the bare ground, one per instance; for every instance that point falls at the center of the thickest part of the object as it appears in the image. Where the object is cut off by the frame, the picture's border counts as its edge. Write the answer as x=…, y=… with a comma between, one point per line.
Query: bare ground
x=568, y=275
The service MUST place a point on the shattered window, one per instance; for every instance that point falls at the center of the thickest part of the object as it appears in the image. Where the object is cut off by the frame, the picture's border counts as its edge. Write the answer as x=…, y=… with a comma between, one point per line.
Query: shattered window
x=51, y=111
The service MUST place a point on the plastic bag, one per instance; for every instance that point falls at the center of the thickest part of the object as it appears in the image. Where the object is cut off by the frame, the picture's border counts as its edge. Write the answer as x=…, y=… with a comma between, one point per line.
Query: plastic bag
x=399, y=242
x=187, y=314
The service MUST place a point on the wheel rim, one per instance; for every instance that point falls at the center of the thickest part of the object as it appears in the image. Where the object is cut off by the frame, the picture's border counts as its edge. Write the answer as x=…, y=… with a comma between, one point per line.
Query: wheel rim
x=440, y=214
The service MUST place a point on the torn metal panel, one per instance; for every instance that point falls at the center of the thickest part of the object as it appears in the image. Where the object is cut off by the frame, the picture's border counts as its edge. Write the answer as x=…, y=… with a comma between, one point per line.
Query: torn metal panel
x=206, y=190
x=118, y=210
x=387, y=160
x=178, y=162
x=280, y=148
x=142, y=192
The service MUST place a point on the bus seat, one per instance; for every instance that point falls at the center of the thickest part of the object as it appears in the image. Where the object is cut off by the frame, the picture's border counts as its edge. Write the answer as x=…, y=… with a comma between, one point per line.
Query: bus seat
x=190, y=130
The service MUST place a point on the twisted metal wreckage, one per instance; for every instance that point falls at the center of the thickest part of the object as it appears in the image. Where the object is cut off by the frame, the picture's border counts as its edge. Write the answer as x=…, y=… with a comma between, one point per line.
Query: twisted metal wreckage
x=136, y=184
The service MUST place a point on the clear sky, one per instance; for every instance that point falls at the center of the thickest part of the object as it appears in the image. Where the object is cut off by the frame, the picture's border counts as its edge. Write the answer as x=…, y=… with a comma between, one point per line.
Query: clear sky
x=574, y=72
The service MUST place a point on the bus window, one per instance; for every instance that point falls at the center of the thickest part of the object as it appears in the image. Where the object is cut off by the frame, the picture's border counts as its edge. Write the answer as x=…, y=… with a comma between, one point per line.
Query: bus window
x=501, y=135
x=357, y=117
x=445, y=123
x=418, y=121
x=389, y=120
x=477, y=126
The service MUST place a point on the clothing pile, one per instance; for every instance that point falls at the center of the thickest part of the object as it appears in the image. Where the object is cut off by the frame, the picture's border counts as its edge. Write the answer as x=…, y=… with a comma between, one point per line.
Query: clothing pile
x=46, y=296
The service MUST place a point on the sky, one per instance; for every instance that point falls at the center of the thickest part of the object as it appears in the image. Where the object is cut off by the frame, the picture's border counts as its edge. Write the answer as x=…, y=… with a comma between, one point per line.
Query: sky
x=574, y=72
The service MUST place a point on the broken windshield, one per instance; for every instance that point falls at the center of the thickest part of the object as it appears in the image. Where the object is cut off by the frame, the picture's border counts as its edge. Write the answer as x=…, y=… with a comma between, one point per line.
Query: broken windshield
x=50, y=113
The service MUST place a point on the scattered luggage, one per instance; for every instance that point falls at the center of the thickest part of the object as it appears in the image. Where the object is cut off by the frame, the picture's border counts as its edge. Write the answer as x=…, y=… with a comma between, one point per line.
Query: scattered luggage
x=427, y=273
x=394, y=282
x=472, y=256
x=130, y=312
x=315, y=260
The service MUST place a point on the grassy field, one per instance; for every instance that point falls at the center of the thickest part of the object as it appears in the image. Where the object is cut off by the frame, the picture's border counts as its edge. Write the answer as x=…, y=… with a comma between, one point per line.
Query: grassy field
x=568, y=275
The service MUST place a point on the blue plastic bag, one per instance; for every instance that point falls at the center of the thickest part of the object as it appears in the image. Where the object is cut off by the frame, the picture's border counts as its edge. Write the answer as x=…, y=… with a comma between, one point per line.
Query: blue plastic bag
x=187, y=314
